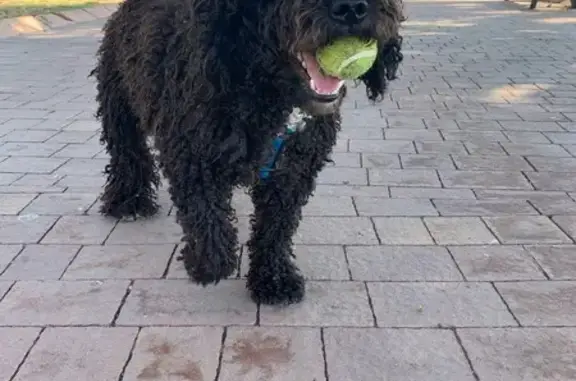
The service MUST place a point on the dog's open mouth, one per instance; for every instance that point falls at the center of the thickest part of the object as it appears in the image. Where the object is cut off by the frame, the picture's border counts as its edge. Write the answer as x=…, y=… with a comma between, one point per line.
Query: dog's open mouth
x=325, y=88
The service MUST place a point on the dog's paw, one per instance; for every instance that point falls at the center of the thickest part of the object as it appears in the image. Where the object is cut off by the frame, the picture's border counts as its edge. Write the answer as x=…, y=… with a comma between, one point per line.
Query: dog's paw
x=279, y=285
x=135, y=207
x=205, y=270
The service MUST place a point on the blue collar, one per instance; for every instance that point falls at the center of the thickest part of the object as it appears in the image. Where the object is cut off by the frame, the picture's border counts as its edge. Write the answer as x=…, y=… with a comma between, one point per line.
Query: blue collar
x=296, y=122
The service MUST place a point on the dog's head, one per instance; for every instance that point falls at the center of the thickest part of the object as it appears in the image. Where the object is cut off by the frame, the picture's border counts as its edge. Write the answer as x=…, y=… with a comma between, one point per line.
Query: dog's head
x=300, y=27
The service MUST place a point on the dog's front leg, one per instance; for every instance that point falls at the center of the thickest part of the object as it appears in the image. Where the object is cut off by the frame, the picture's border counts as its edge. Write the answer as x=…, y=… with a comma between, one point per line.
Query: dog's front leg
x=273, y=278
x=202, y=192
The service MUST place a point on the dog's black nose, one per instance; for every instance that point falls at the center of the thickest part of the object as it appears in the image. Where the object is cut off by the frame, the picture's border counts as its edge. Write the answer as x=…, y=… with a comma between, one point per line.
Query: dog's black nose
x=349, y=11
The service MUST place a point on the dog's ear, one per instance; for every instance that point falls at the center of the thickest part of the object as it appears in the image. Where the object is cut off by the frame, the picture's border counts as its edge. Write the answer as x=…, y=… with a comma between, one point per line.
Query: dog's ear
x=384, y=69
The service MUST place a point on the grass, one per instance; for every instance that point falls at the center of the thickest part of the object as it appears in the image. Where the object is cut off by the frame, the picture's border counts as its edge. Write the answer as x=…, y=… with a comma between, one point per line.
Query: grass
x=15, y=8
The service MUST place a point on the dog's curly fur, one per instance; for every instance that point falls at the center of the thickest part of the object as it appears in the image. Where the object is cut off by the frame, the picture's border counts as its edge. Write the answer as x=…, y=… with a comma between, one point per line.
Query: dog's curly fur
x=213, y=81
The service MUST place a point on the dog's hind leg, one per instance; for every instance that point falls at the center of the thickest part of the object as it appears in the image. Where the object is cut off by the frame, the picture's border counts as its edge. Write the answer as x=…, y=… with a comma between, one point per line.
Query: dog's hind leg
x=273, y=278
x=132, y=180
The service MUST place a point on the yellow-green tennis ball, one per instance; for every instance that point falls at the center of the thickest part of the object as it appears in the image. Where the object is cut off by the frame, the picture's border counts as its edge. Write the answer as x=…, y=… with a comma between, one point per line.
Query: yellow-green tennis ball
x=347, y=57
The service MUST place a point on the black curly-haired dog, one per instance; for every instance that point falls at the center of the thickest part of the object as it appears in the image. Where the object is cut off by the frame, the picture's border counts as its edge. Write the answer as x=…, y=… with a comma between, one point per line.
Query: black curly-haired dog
x=214, y=82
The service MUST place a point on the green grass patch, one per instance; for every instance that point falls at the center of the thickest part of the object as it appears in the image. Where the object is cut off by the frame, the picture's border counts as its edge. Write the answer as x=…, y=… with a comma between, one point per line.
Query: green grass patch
x=15, y=8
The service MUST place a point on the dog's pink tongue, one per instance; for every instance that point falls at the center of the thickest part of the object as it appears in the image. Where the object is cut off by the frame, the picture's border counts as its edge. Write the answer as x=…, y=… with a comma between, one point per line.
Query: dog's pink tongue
x=323, y=84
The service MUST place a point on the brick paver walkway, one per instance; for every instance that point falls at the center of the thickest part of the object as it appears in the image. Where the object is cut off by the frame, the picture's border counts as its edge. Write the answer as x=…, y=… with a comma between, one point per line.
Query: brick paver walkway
x=439, y=247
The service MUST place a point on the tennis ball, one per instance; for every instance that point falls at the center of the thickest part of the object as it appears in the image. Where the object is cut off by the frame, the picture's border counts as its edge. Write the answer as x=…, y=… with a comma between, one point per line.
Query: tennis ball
x=347, y=57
